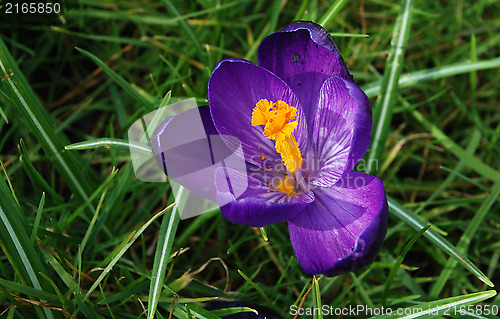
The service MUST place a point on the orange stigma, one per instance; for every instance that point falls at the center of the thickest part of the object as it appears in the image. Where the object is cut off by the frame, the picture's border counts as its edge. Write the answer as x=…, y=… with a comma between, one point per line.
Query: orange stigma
x=277, y=118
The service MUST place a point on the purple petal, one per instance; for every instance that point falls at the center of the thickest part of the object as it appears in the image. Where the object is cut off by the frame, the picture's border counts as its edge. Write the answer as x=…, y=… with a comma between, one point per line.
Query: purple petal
x=171, y=133
x=234, y=89
x=345, y=227
x=304, y=56
x=341, y=129
x=189, y=149
x=261, y=204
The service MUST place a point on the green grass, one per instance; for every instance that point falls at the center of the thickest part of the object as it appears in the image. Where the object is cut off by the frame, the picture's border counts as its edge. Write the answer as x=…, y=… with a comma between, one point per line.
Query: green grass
x=81, y=236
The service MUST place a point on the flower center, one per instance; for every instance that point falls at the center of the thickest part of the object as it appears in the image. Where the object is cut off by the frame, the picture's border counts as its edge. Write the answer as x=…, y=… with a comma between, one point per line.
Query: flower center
x=278, y=126
x=287, y=185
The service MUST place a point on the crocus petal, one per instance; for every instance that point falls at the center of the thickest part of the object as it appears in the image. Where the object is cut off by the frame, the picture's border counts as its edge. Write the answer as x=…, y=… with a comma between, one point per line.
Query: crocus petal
x=304, y=56
x=234, y=89
x=341, y=129
x=261, y=204
x=189, y=150
x=343, y=230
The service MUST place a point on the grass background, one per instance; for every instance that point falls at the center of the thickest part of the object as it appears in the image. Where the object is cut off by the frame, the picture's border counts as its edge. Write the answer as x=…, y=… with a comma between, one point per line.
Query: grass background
x=80, y=238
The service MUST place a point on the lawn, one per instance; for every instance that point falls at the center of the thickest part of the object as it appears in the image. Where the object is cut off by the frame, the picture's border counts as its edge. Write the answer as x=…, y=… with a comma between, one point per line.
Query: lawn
x=82, y=237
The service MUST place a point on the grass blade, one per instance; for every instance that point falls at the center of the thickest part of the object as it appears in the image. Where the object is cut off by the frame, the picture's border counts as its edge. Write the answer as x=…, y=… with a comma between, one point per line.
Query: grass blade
x=15, y=287
x=68, y=280
x=332, y=12
x=389, y=89
x=64, y=222
x=418, y=223
x=349, y=35
x=194, y=39
x=115, y=143
x=135, y=234
x=232, y=311
x=50, y=258
x=37, y=219
x=143, y=101
x=16, y=244
x=463, y=243
x=26, y=102
x=399, y=261
x=254, y=285
x=28, y=166
x=316, y=299
x=450, y=306
x=200, y=312
x=163, y=249
x=90, y=228
x=2, y=114
x=473, y=162
x=274, y=15
x=413, y=78
x=475, y=138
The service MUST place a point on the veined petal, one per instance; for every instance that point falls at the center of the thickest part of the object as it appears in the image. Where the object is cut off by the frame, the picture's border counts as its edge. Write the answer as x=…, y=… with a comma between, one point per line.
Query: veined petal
x=234, y=89
x=341, y=129
x=343, y=230
x=261, y=204
x=304, y=56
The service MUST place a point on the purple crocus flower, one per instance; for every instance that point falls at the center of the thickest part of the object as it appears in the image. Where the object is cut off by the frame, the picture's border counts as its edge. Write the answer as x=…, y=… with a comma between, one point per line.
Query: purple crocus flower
x=302, y=125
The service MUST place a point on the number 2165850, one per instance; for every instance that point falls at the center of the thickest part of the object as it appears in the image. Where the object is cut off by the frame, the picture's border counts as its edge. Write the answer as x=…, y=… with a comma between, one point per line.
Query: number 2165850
x=32, y=7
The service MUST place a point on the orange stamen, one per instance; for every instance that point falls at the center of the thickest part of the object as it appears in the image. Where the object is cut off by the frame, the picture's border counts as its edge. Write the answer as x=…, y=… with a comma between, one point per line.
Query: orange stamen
x=277, y=118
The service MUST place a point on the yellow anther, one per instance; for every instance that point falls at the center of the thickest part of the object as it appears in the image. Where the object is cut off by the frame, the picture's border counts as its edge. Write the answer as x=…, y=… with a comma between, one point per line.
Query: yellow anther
x=286, y=186
x=262, y=112
x=276, y=117
x=290, y=152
